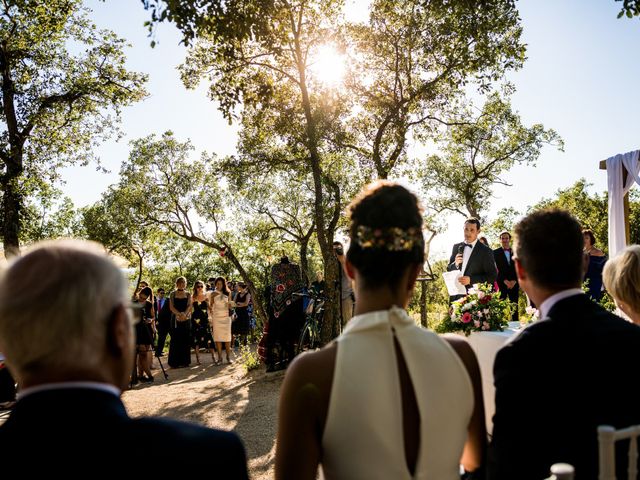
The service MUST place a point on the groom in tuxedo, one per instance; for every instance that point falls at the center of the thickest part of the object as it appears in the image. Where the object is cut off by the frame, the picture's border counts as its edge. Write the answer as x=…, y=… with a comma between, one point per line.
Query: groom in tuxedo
x=566, y=374
x=507, y=280
x=472, y=258
x=66, y=328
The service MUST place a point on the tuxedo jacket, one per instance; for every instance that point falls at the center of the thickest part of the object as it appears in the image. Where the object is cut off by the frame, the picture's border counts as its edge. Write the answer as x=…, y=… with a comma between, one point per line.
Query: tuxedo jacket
x=556, y=382
x=506, y=270
x=163, y=314
x=74, y=432
x=481, y=266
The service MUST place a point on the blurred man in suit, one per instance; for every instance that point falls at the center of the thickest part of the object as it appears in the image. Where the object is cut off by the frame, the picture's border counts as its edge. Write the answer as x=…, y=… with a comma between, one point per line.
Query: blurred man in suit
x=67, y=333
x=163, y=320
x=507, y=279
x=472, y=258
x=565, y=374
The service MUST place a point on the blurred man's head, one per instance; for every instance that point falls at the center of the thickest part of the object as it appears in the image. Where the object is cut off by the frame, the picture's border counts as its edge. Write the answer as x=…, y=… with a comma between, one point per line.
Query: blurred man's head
x=63, y=316
x=548, y=251
x=471, y=230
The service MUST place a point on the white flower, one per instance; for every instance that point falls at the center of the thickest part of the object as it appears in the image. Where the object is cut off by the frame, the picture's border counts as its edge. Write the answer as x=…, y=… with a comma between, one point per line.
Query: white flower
x=480, y=314
x=476, y=323
x=486, y=311
x=480, y=295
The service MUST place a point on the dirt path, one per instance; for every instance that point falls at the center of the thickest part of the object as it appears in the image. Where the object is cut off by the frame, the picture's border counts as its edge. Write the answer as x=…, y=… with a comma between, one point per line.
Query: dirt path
x=219, y=397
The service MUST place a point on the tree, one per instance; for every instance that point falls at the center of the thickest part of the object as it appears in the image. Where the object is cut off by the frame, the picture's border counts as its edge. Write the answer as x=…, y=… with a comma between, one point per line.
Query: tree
x=55, y=105
x=412, y=61
x=116, y=223
x=277, y=204
x=477, y=152
x=294, y=121
x=47, y=214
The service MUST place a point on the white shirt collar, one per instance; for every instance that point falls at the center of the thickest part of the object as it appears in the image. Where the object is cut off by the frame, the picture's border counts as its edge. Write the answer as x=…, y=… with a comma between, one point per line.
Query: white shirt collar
x=473, y=244
x=105, y=387
x=548, y=304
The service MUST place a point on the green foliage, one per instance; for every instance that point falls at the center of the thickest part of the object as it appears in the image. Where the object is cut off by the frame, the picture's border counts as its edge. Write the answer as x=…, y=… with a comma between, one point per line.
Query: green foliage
x=630, y=8
x=64, y=83
x=590, y=209
x=47, y=214
x=249, y=358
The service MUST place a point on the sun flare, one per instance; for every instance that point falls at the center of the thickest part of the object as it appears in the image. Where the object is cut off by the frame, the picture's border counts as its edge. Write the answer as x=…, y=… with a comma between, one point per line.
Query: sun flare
x=328, y=65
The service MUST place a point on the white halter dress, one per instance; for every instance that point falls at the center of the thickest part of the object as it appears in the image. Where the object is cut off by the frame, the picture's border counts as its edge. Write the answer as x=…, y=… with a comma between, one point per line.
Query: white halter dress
x=363, y=436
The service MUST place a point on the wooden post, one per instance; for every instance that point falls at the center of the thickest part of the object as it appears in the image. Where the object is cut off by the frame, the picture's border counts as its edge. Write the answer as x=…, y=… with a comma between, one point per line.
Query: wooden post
x=625, y=201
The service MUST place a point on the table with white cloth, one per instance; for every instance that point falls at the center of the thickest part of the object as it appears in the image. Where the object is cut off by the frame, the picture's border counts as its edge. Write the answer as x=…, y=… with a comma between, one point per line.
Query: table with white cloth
x=486, y=346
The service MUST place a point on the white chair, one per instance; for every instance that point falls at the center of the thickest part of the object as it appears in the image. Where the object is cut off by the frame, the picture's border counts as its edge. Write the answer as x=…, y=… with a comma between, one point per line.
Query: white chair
x=561, y=471
x=607, y=437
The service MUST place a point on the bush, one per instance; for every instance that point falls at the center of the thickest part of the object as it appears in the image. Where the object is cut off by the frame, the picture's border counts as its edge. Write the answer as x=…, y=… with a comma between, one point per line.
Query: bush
x=249, y=358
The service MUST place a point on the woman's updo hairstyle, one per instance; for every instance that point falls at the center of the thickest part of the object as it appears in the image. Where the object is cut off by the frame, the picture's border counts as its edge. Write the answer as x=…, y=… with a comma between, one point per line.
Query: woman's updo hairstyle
x=386, y=233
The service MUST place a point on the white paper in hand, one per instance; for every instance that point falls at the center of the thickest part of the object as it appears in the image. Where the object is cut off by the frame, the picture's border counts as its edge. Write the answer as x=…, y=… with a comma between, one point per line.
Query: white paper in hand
x=451, y=281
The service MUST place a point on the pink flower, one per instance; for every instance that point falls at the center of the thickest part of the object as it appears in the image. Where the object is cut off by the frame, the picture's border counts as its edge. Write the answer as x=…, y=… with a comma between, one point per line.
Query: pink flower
x=485, y=326
x=477, y=323
x=466, y=318
x=280, y=288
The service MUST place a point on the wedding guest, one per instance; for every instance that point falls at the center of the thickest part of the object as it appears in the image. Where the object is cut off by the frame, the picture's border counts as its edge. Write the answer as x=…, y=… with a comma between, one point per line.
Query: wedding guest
x=180, y=304
x=219, y=305
x=347, y=297
x=622, y=281
x=403, y=404
x=597, y=260
x=241, y=327
x=507, y=279
x=565, y=374
x=200, y=328
x=472, y=258
x=163, y=320
x=484, y=241
x=144, y=334
x=67, y=331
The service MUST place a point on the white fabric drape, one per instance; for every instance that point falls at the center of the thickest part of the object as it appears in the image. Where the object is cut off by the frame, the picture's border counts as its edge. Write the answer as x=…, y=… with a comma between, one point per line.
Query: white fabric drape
x=631, y=162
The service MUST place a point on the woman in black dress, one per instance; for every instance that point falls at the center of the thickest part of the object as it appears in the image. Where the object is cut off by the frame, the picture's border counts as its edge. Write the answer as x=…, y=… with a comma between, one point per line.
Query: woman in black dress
x=200, y=329
x=180, y=306
x=144, y=334
x=241, y=326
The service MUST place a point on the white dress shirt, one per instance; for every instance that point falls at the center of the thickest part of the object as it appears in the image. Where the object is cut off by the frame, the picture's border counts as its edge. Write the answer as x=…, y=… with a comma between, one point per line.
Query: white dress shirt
x=548, y=304
x=466, y=253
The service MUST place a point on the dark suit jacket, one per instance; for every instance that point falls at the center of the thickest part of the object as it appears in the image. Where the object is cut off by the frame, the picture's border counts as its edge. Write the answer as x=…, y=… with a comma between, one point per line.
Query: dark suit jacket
x=59, y=429
x=164, y=313
x=481, y=267
x=555, y=383
x=506, y=271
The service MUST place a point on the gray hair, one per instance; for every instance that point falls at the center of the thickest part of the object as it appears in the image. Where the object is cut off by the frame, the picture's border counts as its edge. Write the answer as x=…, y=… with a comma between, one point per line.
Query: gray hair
x=55, y=303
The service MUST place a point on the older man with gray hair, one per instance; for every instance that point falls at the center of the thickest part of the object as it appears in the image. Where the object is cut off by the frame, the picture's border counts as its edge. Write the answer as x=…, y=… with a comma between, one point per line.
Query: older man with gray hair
x=67, y=333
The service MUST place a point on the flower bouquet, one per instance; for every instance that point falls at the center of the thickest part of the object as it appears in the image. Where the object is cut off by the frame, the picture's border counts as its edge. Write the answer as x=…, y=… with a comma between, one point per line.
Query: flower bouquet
x=480, y=310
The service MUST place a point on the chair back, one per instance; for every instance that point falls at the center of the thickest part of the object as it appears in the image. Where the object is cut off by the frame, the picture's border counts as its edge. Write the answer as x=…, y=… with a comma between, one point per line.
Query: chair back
x=607, y=437
x=562, y=471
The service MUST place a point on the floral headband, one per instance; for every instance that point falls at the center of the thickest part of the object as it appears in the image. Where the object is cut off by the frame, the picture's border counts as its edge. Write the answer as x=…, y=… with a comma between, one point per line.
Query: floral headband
x=393, y=239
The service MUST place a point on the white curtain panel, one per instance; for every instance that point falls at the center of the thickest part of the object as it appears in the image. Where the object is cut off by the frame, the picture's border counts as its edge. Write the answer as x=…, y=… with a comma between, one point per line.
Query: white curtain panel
x=631, y=162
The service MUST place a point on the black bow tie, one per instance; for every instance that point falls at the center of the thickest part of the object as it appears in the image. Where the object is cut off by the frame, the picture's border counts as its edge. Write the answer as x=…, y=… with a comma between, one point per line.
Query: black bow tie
x=468, y=245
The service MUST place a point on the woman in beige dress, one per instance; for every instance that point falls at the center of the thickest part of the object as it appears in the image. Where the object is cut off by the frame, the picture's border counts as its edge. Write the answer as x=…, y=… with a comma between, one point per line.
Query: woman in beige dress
x=220, y=303
x=388, y=399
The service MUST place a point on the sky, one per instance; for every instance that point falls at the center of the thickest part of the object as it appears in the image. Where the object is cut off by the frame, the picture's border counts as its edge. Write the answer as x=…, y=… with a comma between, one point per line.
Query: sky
x=581, y=78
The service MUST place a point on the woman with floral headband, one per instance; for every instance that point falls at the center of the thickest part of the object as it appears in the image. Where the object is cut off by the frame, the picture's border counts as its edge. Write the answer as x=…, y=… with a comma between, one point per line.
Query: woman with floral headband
x=388, y=399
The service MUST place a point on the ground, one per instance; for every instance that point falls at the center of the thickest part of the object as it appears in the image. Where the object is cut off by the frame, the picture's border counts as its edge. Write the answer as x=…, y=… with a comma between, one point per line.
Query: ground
x=220, y=397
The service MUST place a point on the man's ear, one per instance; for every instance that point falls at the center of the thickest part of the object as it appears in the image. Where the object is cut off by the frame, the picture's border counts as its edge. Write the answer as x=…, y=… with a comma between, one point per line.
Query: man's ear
x=119, y=332
x=520, y=271
x=351, y=271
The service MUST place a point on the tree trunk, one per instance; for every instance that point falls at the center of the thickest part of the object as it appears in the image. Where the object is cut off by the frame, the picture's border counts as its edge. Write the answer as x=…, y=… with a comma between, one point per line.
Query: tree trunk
x=423, y=304
x=304, y=261
x=140, y=262
x=11, y=205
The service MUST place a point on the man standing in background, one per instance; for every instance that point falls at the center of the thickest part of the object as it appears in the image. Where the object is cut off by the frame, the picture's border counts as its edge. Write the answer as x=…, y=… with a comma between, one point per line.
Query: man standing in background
x=507, y=279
